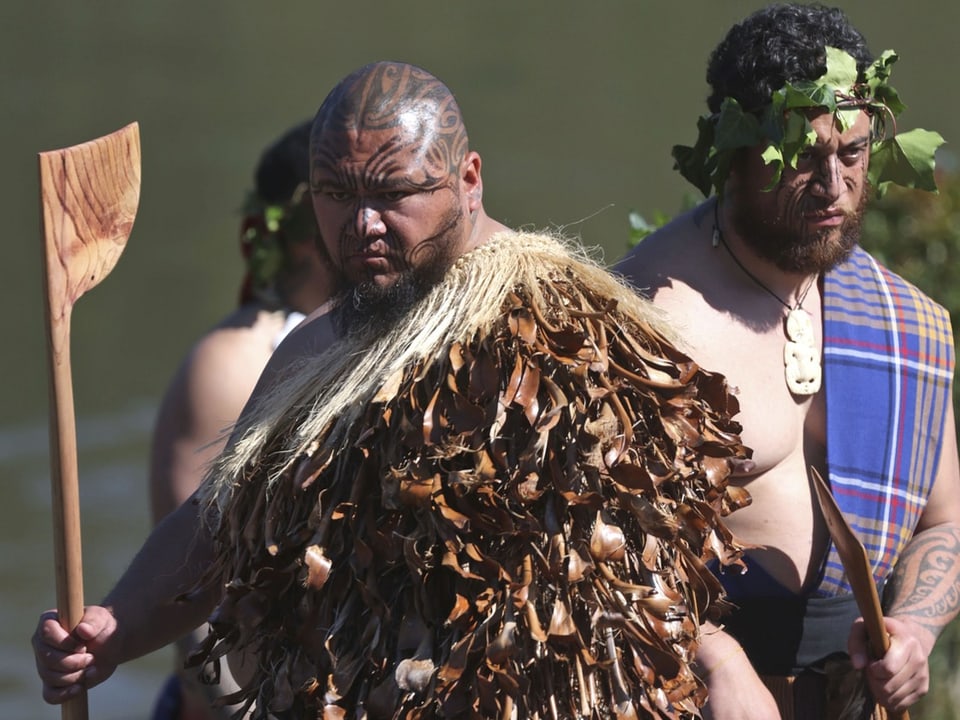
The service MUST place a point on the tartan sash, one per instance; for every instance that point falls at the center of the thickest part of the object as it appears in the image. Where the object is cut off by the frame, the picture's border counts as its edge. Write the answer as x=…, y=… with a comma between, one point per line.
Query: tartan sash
x=888, y=357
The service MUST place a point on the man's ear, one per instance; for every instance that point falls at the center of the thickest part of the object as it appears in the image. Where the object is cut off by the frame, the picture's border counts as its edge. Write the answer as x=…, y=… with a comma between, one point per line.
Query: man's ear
x=471, y=180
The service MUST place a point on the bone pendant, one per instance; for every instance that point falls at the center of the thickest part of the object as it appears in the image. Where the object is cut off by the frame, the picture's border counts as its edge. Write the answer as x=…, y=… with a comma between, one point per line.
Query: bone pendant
x=801, y=368
x=800, y=326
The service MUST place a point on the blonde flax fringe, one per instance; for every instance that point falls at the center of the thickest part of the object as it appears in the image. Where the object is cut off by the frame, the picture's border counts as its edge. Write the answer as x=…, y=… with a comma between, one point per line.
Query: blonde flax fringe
x=326, y=394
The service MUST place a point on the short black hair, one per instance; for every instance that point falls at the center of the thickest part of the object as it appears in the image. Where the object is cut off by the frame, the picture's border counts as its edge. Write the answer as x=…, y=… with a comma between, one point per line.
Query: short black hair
x=284, y=165
x=779, y=44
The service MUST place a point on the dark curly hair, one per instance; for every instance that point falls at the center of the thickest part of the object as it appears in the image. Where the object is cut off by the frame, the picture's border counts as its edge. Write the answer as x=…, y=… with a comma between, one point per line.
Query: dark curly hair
x=775, y=45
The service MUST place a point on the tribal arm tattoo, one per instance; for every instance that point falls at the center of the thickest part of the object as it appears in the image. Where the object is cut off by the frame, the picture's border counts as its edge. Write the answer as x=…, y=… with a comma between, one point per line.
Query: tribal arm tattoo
x=925, y=586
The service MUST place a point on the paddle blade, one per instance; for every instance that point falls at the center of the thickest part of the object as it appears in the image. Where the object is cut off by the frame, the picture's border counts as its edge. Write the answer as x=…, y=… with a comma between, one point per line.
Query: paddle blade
x=89, y=195
x=856, y=563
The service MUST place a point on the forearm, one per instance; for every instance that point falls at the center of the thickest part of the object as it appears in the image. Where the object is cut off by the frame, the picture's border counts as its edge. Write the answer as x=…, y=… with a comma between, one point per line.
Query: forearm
x=144, y=600
x=716, y=646
x=925, y=587
x=735, y=691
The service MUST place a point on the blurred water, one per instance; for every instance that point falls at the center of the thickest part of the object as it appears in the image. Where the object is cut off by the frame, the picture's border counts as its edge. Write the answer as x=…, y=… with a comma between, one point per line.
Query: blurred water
x=574, y=107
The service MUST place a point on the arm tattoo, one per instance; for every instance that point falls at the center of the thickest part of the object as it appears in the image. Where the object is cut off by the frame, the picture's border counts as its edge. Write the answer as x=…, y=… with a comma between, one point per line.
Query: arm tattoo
x=925, y=586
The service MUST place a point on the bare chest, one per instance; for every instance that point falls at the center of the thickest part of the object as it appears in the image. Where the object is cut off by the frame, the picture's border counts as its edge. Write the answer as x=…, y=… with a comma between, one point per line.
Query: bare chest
x=777, y=423
x=786, y=433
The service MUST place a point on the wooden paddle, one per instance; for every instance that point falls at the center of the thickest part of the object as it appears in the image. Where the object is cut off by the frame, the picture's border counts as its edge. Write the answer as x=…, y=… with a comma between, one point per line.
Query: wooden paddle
x=856, y=563
x=89, y=195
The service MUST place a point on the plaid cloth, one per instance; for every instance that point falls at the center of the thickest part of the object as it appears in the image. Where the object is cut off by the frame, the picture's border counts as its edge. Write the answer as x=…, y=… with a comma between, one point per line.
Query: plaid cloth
x=888, y=355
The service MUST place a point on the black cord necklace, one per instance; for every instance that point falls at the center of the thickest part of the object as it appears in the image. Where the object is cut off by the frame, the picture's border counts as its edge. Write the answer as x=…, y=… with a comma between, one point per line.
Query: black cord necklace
x=801, y=357
x=718, y=238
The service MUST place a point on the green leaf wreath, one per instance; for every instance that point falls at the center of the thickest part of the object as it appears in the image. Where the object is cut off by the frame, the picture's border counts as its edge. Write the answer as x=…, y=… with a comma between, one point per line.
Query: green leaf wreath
x=905, y=159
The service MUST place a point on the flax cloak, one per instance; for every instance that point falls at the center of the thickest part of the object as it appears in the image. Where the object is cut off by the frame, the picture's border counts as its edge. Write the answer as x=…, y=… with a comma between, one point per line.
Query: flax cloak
x=500, y=509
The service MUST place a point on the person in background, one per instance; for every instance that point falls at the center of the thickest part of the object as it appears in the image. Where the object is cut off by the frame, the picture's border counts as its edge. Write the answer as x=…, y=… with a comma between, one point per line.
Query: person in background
x=288, y=275
x=842, y=367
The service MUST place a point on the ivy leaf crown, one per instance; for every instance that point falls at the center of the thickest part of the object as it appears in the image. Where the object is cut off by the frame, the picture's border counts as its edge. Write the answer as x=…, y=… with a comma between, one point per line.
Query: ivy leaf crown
x=905, y=159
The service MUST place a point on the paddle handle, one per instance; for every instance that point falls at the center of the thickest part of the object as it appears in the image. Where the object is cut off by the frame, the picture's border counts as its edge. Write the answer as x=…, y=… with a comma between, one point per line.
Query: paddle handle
x=879, y=640
x=67, y=550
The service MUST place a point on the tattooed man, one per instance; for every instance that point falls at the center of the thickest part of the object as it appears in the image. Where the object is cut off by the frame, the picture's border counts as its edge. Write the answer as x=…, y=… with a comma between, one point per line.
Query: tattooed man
x=484, y=485
x=840, y=365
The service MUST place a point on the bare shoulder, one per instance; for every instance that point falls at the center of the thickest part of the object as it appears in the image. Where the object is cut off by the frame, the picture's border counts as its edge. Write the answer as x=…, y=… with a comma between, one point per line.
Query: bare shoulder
x=232, y=355
x=314, y=336
x=220, y=371
x=671, y=256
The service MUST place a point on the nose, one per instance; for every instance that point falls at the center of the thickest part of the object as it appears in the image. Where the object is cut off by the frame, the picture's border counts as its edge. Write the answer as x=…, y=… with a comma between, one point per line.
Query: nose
x=827, y=181
x=369, y=222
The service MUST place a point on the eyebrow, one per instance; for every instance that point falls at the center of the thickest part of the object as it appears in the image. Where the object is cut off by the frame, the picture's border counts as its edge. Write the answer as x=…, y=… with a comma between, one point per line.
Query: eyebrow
x=858, y=142
x=386, y=184
x=863, y=140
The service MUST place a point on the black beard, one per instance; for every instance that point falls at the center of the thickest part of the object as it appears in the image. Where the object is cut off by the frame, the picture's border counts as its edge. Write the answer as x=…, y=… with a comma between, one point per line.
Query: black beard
x=793, y=250
x=369, y=308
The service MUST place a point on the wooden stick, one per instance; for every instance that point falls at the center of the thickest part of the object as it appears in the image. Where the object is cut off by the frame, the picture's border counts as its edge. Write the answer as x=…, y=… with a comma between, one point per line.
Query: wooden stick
x=856, y=563
x=89, y=195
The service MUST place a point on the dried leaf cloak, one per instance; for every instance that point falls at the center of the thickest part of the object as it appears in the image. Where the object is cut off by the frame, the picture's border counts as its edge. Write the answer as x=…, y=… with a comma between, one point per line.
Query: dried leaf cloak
x=502, y=509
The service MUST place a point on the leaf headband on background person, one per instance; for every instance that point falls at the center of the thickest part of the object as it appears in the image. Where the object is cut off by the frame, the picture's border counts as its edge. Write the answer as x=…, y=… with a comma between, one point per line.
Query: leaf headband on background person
x=905, y=159
x=265, y=232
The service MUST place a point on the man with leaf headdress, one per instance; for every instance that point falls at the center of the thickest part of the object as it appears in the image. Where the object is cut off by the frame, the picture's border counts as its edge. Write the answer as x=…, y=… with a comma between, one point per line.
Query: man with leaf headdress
x=840, y=366
x=485, y=485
